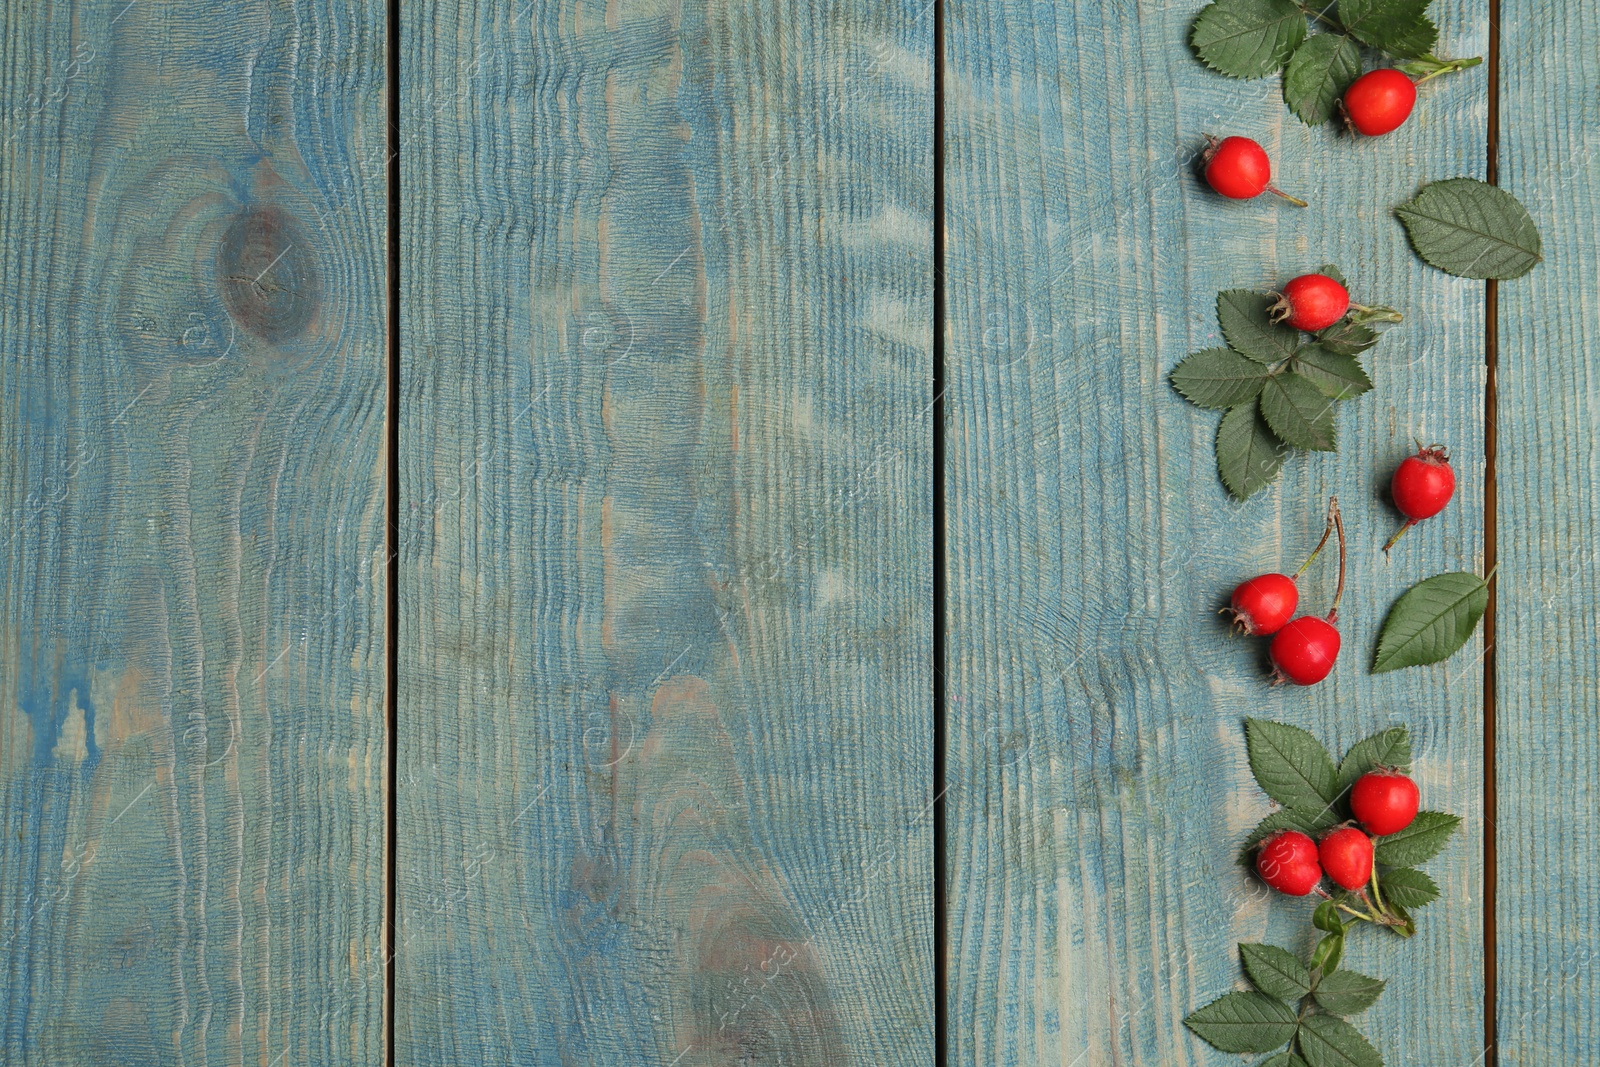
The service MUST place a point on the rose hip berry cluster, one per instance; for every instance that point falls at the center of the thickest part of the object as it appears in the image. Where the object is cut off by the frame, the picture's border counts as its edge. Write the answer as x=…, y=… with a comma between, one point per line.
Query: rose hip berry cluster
x=1383, y=802
x=1303, y=649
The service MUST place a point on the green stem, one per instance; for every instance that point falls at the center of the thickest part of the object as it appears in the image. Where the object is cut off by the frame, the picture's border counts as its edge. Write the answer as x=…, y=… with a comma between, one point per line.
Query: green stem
x=1387, y=545
x=1327, y=531
x=1367, y=916
x=1377, y=892
x=1450, y=66
x=1322, y=17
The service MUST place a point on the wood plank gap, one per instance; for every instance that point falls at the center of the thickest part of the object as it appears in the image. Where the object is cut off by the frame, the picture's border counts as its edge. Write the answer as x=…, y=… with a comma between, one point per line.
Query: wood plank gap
x=941, y=1006
x=1491, y=1054
x=392, y=529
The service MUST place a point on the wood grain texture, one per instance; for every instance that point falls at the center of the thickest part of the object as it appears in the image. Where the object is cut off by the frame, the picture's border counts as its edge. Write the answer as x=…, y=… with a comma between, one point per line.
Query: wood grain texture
x=1547, y=663
x=665, y=633
x=192, y=377
x=1099, y=787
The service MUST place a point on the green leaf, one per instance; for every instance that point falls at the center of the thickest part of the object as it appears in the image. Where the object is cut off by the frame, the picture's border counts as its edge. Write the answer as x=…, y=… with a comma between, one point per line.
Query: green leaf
x=1321, y=70
x=1298, y=413
x=1408, y=888
x=1248, y=455
x=1248, y=326
x=1347, y=338
x=1471, y=229
x=1275, y=971
x=1244, y=1022
x=1386, y=748
x=1326, y=918
x=1329, y=951
x=1407, y=927
x=1399, y=27
x=1291, y=766
x=1284, y=1059
x=1331, y=271
x=1248, y=38
x=1419, y=842
x=1329, y=1042
x=1431, y=621
x=1336, y=377
x=1347, y=993
x=1218, y=378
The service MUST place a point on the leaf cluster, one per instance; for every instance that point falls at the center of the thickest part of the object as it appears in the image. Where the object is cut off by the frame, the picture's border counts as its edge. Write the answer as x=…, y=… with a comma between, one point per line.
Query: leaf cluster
x=1298, y=1004
x=1277, y=388
x=1313, y=792
x=1297, y=1008
x=1253, y=38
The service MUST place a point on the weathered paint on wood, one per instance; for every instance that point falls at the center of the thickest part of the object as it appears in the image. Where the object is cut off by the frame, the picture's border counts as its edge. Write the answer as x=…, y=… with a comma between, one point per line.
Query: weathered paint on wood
x=1098, y=782
x=1547, y=661
x=665, y=574
x=192, y=376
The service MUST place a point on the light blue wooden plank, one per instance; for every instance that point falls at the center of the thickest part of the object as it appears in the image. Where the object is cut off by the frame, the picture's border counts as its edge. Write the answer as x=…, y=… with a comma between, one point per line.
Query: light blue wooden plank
x=192, y=377
x=1099, y=788
x=1547, y=660
x=665, y=634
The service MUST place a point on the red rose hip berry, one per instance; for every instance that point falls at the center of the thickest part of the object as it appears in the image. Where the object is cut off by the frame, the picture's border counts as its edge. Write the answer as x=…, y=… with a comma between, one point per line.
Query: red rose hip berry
x=1239, y=169
x=1422, y=485
x=1380, y=101
x=1288, y=863
x=1311, y=302
x=1384, y=802
x=1303, y=651
x=1346, y=856
x=1264, y=603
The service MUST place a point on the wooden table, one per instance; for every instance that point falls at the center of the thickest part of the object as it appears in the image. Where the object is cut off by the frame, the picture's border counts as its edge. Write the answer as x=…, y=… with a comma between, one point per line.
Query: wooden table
x=501, y=568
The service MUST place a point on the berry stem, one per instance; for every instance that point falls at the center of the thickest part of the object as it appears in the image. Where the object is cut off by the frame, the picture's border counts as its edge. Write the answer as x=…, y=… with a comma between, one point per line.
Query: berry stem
x=1295, y=200
x=1376, y=313
x=1449, y=66
x=1338, y=525
x=1387, y=545
x=1362, y=915
x=1327, y=531
x=1377, y=892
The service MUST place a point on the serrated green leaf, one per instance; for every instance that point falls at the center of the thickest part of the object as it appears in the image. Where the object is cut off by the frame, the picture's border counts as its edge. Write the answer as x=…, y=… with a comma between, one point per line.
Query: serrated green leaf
x=1336, y=377
x=1408, y=888
x=1248, y=38
x=1386, y=748
x=1317, y=76
x=1331, y=271
x=1347, y=338
x=1218, y=378
x=1329, y=1042
x=1284, y=1059
x=1407, y=927
x=1248, y=454
x=1247, y=324
x=1244, y=1022
x=1347, y=993
x=1398, y=27
x=1419, y=842
x=1298, y=413
x=1431, y=621
x=1329, y=951
x=1275, y=971
x=1471, y=229
x=1291, y=766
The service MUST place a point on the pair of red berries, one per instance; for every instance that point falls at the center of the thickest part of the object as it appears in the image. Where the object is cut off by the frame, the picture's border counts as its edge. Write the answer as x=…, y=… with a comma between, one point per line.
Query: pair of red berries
x=1384, y=802
x=1376, y=103
x=1303, y=649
